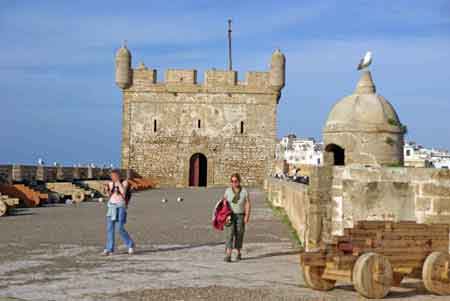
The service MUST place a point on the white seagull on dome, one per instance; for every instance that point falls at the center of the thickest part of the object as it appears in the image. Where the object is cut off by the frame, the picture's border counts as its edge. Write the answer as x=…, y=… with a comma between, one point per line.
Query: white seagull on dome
x=365, y=61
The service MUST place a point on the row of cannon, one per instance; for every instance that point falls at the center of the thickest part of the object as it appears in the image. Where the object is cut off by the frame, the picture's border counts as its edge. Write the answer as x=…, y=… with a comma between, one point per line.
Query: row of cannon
x=31, y=186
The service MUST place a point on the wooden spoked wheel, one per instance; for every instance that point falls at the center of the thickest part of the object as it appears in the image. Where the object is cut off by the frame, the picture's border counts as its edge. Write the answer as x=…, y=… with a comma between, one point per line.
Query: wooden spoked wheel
x=372, y=275
x=436, y=273
x=3, y=208
x=313, y=278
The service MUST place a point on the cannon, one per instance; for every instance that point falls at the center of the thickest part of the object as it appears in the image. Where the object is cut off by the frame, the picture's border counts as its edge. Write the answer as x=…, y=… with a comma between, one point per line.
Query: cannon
x=29, y=196
x=139, y=184
x=68, y=190
x=98, y=187
x=376, y=255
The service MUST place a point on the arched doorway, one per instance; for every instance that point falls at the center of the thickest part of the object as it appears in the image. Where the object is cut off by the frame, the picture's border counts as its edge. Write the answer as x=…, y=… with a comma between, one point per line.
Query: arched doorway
x=337, y=152
x=198, y=170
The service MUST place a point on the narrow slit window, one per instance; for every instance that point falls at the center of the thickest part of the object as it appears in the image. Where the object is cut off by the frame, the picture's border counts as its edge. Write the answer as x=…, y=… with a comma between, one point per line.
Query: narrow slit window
x=155, y=126
x=242, y=127
x=199, y=123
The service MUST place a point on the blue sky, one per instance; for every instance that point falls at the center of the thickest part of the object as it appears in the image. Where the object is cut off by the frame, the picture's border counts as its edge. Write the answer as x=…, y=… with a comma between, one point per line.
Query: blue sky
x=59, y=100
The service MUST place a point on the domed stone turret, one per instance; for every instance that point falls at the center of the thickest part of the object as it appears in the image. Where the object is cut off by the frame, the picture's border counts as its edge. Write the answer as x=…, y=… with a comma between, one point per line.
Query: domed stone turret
x=363, y=128
x=277, y=69
x=123, y=67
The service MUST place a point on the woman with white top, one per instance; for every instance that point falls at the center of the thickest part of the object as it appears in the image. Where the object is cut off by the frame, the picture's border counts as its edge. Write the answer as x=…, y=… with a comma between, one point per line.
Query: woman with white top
x=117, y=214
x=239, y=201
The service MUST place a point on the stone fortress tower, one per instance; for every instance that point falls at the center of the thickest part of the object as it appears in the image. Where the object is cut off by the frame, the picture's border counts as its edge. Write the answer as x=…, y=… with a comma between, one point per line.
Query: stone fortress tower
x=363, y=128
x=185, y=133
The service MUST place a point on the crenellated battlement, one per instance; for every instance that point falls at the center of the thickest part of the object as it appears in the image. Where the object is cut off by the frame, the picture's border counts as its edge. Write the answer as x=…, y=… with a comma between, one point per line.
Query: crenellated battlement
x=185, y=80
x=186, y=128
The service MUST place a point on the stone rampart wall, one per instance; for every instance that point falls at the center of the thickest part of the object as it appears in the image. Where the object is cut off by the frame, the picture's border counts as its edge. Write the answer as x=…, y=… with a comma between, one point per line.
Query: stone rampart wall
x=28, y=173
x=337, y=197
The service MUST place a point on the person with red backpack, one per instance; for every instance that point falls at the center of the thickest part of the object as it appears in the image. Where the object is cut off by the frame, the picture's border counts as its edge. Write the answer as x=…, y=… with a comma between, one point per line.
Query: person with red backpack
x=119, y=197
x=238, y=200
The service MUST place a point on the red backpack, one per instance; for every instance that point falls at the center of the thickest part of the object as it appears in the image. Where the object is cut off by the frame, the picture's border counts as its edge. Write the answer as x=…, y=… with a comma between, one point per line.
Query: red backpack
x=221, y=213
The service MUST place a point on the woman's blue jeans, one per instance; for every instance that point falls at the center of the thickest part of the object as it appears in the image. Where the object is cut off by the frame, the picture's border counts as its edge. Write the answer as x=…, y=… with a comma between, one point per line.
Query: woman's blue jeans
x=120, y=221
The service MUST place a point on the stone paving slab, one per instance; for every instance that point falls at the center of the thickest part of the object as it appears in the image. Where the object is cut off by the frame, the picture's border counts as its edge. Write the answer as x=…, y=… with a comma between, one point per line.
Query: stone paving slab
x=53, y=254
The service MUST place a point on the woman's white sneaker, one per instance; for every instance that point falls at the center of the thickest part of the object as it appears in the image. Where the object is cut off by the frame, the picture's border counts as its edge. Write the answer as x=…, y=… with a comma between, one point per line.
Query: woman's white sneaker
x=131, y=251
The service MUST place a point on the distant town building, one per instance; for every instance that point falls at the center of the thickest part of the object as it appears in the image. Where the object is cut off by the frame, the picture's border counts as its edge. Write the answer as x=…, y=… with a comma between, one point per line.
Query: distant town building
x=307, y=151
x=417, y=155
x=298, y=151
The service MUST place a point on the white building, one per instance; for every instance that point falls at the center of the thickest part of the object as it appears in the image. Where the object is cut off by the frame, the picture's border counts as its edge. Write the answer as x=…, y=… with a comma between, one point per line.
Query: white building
x=416, y=155
x=298, y=151
x=440, y=159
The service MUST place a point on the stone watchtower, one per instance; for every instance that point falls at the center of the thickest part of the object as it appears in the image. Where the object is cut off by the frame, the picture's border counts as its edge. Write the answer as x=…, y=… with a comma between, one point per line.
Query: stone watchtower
x=363, y=128
x=185, y=133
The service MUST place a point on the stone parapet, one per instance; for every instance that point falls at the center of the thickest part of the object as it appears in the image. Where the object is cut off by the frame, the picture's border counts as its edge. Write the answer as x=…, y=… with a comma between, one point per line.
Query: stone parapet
x=6, y=173
x=215, y=81
x=30, y=173
x=338, y=197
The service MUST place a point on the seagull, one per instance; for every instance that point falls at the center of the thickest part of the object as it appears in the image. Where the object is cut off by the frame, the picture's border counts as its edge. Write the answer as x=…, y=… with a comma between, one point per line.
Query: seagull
x=366, y=61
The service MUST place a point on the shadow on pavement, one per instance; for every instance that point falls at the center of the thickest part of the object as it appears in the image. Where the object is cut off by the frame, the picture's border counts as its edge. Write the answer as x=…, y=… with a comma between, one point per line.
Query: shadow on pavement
x=176, y=248
x=18, y=212
x=273, y=254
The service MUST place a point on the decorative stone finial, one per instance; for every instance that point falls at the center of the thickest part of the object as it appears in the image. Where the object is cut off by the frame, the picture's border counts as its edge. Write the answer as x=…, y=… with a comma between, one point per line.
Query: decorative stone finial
x=142, y=65
x=365, y=84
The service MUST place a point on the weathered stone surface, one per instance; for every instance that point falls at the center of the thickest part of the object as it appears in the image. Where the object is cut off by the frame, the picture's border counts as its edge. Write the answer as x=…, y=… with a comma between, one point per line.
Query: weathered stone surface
x=366, y=126
x=437, y=218
x=23, y=173
x=441, y=174
x=5, y=173
x=435, y=189
x=231, y=123
x=29, y=173
x=423, y=203
x=337, y=197
x=441, y=205
x=379, y=200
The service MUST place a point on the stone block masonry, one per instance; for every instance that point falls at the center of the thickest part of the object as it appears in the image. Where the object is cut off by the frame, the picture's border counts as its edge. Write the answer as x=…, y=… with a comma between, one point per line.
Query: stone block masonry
x=184, y=133
x=338, y=197
x=29, y=173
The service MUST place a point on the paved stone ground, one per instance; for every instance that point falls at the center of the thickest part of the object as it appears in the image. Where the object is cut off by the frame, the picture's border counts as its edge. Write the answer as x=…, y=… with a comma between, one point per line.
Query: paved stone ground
x=52, y=253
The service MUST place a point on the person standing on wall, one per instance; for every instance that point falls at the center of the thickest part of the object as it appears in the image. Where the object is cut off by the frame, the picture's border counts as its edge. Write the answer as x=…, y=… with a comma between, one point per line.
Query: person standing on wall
x=117, y=214
x=239, y=201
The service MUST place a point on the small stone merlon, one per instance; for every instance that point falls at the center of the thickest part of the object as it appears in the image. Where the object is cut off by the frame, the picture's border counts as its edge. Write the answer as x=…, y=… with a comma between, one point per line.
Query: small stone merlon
x=185, y=80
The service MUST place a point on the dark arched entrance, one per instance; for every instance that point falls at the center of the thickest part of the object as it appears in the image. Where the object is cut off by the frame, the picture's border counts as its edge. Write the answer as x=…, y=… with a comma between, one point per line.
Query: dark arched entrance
x=337, y=152
x=198, y=170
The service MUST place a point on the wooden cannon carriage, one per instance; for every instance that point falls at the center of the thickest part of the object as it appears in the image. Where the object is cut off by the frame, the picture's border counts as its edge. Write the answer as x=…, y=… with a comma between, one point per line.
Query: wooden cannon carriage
x=69, y=190
x=375, y=255
x=7, y=202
